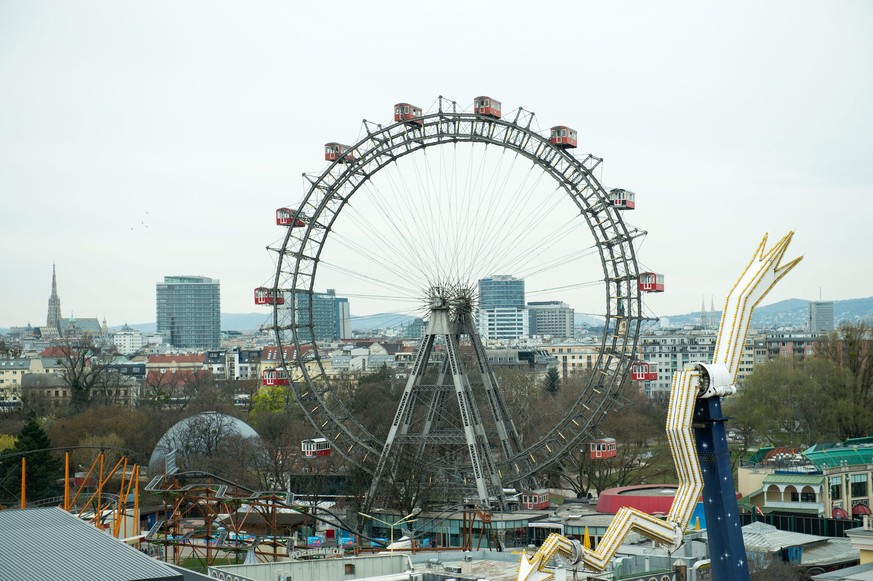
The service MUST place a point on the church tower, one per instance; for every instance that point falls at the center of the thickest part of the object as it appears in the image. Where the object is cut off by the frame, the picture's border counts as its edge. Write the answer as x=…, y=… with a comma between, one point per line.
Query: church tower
x=53, y=319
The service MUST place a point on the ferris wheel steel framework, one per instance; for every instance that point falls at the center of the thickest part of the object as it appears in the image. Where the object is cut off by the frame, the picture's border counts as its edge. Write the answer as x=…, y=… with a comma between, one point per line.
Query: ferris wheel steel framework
x=329, y=192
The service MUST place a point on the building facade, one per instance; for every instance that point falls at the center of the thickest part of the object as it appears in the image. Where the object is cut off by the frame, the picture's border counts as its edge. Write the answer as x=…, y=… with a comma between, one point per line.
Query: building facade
x=551, y=318
x=343, y=319
x=671, y=351
x=233, y=364
x=821, y=317
x=502, y=314
x=189, y=311
x=794, y=345
x=127, y=340
x=572, y=356
x=329, y=315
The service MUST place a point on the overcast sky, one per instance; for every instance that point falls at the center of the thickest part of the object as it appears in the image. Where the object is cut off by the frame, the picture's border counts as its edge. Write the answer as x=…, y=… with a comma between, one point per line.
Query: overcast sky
x=143, y=139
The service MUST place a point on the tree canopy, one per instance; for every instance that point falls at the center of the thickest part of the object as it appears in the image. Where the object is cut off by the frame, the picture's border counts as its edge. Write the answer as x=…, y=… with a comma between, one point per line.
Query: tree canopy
x=44, y=472
x=828, y=397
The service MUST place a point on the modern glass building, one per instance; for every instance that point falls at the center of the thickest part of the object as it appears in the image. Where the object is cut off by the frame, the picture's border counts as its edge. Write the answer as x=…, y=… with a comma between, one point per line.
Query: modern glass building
x=330, y=315
x=189, y=311
x=502, y=314
x=501, y=292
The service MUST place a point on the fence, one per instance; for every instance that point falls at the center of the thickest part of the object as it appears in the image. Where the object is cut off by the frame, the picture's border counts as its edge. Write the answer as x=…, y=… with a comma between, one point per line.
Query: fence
x=811, y=525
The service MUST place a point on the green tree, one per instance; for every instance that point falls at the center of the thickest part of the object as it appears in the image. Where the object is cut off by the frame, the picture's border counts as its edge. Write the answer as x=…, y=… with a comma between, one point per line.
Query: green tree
x=786, y=402
x=269, y=400
x=7, y=442
x=44, y=472
x=851, y=348
x=552, y=381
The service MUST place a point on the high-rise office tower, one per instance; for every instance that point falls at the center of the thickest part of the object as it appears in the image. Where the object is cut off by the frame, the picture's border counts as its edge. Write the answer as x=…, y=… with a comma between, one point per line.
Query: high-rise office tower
x=189, y=311
x=821, y=317
x=502, y=314
x=343, y=319
x=329, y=315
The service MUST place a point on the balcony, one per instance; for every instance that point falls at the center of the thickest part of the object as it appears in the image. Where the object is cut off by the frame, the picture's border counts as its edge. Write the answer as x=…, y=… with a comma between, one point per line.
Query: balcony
x=799, y=506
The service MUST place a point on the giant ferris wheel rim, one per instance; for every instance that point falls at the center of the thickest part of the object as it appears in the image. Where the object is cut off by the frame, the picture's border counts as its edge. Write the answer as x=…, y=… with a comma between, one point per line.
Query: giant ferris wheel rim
x=330, y=191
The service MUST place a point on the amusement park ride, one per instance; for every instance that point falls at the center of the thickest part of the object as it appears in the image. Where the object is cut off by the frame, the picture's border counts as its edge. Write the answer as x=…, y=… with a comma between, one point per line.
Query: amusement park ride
x=696, y=433
x=467, y=455
x=484, y=459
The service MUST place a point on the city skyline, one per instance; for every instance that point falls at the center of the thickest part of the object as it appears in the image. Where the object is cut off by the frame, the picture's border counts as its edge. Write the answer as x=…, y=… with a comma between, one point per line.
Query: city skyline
x=172, y=156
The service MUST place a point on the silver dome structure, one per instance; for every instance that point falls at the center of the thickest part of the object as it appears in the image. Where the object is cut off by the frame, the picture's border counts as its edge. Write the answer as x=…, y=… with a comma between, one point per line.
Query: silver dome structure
x=199, y=437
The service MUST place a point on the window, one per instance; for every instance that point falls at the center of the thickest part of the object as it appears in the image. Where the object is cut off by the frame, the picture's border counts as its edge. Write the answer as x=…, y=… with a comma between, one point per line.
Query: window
x=859, y=485
x=350, y=568
x=803, y=497
x=836, y=488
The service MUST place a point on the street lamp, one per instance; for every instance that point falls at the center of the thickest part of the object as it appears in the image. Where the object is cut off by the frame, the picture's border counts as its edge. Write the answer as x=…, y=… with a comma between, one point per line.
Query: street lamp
x=407, y=519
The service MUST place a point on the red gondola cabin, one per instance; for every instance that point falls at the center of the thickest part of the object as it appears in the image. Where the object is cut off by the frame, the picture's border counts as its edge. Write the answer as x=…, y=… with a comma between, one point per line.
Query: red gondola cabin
x=651, y=282
x=603, y=448
x=486, y=106
x=642, y=371
x=273, y=377
x=408, y=114
x=266, y=296
x=622, y=199
x=315, y=447
x=285, y=217
x=338, y=152
x=563, y=137
x=535, y=499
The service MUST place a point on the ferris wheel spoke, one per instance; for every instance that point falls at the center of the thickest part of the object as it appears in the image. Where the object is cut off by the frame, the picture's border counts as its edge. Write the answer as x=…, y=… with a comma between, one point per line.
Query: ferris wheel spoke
x=406, y=243
x=558, y=262
x=364, y=277
x=522, y=258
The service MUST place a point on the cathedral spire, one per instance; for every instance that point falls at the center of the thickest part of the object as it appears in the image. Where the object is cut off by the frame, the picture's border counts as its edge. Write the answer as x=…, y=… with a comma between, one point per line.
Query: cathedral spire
x=53, y=319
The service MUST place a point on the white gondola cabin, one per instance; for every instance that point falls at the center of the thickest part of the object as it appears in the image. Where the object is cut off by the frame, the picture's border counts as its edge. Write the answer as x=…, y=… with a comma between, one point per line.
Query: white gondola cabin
x=267, y=296
x=487, y=106
x=643, y=371
x=622, y=199
x=315, y=447
x=563, y=137
x=408, y=114
x=285, y=217
x=338, y=152
x=272, y=377
x=651, y=282
x=603, y=448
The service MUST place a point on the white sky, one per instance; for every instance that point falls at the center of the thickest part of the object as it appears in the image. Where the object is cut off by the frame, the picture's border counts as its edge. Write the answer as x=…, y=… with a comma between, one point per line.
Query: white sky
x=143, y=139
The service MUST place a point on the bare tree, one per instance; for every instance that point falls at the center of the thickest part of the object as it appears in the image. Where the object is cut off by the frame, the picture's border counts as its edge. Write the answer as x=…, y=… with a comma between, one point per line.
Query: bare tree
x=86, y=367
x=641, y=455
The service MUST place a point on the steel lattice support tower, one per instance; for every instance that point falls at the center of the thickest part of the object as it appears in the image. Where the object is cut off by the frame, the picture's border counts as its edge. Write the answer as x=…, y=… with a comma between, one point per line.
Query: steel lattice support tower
x=433, y=430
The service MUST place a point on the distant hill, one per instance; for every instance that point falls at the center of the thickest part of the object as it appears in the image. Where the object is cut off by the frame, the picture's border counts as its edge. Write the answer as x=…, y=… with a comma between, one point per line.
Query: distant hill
x=242, y=322
x=789, y=313
x=249, y=322
x=587, y=320
x=380, y=321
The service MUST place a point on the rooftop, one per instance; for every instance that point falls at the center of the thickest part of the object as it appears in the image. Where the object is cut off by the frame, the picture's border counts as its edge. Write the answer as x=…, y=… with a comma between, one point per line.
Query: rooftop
x=49, y=543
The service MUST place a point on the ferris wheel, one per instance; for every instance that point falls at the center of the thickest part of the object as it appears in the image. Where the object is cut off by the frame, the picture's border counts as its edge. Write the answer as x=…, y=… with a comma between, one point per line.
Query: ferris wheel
x=444, y=198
